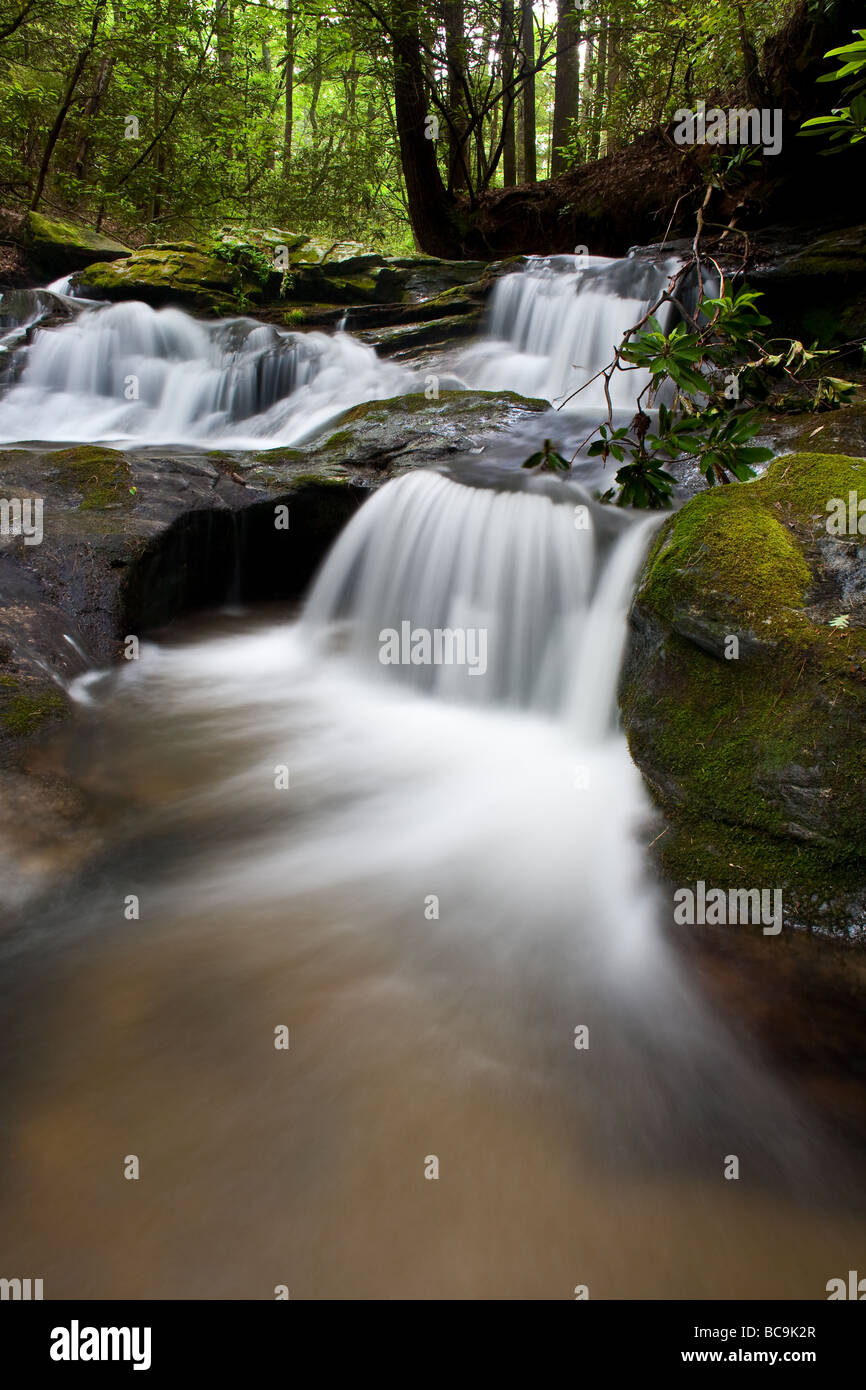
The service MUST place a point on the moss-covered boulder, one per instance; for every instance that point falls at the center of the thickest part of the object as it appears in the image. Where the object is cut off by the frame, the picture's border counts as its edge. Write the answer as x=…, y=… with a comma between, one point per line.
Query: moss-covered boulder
x=380, y=439
x=59, y=247
x=168, y=275
x=743, y=706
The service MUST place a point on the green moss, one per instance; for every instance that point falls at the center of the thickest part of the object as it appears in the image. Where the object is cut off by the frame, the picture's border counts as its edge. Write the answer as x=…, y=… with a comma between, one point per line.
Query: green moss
x=162, y=273
x=53, y=232
x=339, y=440
x=24, y=709
x=801, y=484
x=771, y=742
x=702, y=553
x=469, y=403
x=319, y=480
x=103, y=476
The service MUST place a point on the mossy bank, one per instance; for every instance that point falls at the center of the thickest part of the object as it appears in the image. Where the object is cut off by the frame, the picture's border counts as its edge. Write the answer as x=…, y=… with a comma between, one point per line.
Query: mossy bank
x=743, y=706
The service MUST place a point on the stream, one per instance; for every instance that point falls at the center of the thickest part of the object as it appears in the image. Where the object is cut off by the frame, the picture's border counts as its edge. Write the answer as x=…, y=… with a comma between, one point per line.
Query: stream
x=430, y=880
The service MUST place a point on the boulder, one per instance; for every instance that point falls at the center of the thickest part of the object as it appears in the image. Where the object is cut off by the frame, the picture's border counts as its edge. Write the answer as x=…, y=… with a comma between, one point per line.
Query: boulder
x=172, y=274
x=742, y=705
x=58, y=247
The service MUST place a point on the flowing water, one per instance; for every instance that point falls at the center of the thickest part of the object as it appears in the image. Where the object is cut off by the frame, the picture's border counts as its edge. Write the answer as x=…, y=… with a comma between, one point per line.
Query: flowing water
x=435, y=878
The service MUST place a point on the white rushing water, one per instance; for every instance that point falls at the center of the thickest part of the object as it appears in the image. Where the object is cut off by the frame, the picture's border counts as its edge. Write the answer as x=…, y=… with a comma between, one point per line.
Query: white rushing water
x=550, y=329
x=126, y=373
x=434, y=877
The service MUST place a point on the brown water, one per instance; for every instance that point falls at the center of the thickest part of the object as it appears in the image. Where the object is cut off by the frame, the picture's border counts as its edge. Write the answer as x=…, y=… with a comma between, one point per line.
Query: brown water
x=410, y=1036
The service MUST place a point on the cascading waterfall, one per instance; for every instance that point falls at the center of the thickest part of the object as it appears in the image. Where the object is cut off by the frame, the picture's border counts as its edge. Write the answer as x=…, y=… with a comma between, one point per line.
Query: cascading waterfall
x=550, y=328
x=129, y=373
x=435, y=879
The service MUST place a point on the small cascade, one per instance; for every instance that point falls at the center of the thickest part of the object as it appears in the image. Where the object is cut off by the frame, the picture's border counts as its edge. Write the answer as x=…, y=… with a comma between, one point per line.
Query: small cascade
x=528, y=586
x=127, y=372
x=553, y=326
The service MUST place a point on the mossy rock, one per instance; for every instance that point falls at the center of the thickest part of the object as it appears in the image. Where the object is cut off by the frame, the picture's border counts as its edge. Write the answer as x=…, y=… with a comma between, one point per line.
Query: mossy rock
x=27, y=706
x=61, y=246
x=768, y=741
x=102, y=476
x=163, y=275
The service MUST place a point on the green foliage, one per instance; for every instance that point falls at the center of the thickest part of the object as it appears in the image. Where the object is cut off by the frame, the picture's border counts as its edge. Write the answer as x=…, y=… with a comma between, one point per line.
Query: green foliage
x=710, y=367
x=547, y=460
x=208, y=85
x=846, y=125
x=672, y=355
x=247, y=256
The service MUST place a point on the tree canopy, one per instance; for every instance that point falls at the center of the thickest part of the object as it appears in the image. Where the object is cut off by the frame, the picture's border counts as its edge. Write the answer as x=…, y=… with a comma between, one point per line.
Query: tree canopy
x=378, y=120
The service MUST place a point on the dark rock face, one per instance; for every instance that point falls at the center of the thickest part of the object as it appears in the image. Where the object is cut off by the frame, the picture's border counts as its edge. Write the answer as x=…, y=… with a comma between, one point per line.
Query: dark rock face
x=131, y=540
x=813, y=283
x=743, y=707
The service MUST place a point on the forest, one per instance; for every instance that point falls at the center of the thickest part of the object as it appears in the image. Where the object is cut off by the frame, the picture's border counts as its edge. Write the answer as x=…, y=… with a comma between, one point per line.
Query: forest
x=375, y=122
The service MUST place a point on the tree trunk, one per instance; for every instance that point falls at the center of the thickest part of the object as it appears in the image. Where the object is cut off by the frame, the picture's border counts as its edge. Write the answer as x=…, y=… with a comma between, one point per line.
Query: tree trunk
x=290, y=84
x=751, y=66
x=430, y=207
x=91, y=109
x=600, y=74
x=566, y=89
x=459, y=154
x=509, y=149
x=527, y=92
x=585, y=111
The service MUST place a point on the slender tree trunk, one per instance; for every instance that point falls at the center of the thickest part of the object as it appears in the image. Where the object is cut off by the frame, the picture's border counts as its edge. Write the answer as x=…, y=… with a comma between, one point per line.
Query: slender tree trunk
x=751, y=66
x=527, y=101
x=598, y=112
x=290, y=85
x=224, y=28
x=585, y=113
x=509, y=149
x=459, y=155
x=69, y=93
x=91, y=109
x=613, y=78
x=566, y=89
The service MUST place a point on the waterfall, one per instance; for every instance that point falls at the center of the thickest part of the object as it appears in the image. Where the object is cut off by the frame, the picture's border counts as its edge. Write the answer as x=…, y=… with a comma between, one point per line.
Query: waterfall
x=550, y=328
x=128, y=373
x=519, y=567
x=429, y=872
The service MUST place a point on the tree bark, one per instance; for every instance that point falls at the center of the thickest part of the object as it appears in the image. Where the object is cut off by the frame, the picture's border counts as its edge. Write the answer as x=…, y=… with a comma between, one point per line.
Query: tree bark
x=453, y=20
x=600, y=75
x=566, y=90
x=430, y=207
x=91, y=109
x=527, y=93
x=290, y=85
x=509, y=148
